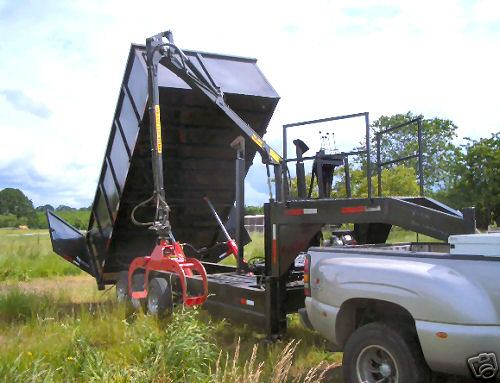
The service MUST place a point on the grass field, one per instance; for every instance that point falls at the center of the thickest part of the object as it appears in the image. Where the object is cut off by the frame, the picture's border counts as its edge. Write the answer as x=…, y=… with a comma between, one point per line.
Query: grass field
x=56, y=326
x=27, y=254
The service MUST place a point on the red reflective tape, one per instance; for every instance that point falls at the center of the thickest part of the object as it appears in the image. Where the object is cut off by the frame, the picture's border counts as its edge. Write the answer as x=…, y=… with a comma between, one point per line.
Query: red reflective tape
x=248, y=302
x=294, y=212
x=300, y=211
x=353, y=209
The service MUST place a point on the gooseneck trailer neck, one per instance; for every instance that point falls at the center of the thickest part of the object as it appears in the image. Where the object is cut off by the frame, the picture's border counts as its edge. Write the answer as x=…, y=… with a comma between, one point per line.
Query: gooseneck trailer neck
x=186, y=129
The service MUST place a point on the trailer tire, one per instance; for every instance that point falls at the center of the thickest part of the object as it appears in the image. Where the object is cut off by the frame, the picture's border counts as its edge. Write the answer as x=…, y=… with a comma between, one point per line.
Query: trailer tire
x=132, y=306
x=122, y=287
x=138, y=285
x=380, y=350
x=160, y=302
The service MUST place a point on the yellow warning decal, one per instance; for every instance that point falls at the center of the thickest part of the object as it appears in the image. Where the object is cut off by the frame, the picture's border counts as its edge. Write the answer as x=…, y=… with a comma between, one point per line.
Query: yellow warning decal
x=258, y=140
x=275, y=156
x=158, y=129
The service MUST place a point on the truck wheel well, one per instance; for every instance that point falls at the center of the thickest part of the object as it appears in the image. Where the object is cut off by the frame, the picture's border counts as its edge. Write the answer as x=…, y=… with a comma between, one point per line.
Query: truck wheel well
x=359, y=311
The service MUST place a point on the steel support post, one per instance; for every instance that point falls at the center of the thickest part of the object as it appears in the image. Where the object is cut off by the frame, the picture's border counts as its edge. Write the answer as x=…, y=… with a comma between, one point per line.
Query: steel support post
x=278, y=182
x=347, y=177
x=379, y=167
x=239, y=145
x=420, y=158
x=368, y=153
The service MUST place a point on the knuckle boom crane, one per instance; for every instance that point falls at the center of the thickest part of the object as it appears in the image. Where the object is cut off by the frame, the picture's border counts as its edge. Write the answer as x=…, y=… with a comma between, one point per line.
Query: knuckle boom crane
x=168, y=255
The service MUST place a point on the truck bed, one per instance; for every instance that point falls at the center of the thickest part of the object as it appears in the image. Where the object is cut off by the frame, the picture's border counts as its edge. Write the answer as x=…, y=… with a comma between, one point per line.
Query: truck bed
x=467, y=285
x=453, y=294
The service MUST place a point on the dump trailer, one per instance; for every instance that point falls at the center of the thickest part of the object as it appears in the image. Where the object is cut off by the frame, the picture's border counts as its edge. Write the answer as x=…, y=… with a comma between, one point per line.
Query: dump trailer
x=170, y=198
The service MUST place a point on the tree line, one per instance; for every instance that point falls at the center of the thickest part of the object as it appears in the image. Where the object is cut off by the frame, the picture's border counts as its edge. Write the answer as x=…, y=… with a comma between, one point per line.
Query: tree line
x=459, y=175
x=16, y=209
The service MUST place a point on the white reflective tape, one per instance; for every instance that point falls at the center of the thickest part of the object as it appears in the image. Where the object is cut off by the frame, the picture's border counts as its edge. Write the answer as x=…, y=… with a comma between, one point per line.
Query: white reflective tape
x=274, y=231
x=375, y=208
x=310, y=211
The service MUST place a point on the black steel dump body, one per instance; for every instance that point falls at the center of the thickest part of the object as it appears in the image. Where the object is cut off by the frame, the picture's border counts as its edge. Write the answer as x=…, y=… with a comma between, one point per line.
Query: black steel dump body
x=198, y=159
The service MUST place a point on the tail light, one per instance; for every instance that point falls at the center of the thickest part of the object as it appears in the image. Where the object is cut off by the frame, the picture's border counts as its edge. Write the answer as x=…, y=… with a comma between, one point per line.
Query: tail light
x=307, y=276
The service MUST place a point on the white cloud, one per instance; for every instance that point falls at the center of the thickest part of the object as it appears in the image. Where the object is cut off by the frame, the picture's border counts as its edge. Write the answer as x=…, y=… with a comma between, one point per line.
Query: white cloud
x=323, y=57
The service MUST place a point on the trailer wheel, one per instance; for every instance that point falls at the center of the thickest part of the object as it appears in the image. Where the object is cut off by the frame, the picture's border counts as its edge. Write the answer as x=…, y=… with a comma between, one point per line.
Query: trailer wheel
x=132, y=306
x=378, y=352
x=122, y=287
x=138, y=285
x=160, y=303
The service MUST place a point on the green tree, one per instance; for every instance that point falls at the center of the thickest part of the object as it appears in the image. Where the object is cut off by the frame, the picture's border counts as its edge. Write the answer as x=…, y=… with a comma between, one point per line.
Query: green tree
x=45, y=207
x=14, y=202
x=8, y=220
x=397, y=181
x=294, y=190
x=41, y=220
x=65, y=208
x=439, y=152
x=254, y=210
x=477, y=179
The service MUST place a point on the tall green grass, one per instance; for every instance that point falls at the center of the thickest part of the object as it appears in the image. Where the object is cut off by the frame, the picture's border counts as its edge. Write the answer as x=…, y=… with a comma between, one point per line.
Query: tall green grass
x=17, y=306
x=43, y=341
x=53, y=344
x=28, y=254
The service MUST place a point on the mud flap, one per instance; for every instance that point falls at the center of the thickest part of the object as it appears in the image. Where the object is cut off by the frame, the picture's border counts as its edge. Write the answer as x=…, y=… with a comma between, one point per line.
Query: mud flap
x=69, y=243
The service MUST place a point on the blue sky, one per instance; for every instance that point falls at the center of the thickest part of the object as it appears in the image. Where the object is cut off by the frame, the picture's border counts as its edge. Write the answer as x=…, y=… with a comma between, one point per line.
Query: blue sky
x=62, y=63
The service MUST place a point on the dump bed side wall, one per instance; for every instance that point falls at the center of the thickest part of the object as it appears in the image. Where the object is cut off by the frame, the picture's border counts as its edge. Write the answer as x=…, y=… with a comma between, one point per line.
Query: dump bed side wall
x=198, y=160
x=129, y=113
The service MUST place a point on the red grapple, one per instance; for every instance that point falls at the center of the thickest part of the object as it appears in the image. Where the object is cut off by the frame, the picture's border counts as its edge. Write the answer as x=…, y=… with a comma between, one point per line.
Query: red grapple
x=169, y=257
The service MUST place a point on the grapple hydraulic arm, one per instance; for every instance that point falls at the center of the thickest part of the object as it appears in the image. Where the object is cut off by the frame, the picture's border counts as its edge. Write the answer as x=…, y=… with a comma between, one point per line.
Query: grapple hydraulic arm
x=175, y=60
x=168, y=255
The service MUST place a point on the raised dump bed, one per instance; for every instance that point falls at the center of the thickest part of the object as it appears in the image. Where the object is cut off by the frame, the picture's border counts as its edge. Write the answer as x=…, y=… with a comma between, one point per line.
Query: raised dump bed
x=198, y=160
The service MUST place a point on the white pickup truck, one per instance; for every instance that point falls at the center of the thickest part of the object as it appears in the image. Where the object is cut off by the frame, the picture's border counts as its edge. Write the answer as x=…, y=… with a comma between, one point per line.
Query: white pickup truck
x=406, y=313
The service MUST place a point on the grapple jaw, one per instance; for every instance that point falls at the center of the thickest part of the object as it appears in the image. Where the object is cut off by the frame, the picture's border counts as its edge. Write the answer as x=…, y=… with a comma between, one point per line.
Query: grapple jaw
x=168, y=257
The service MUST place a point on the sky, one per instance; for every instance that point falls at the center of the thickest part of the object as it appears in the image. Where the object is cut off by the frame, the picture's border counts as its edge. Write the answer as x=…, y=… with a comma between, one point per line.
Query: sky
x=62, y=63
